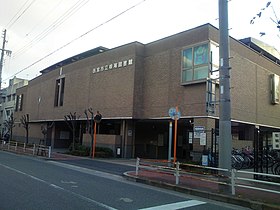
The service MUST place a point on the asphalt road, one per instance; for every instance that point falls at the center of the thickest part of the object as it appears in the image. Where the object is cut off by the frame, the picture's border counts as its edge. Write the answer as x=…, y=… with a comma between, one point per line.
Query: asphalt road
x=104, y=166
x=31, y=183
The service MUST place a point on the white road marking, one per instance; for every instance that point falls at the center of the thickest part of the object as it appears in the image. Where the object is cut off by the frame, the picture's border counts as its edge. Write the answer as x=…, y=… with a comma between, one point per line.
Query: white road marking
x=174, y=206
x=126, y=200
x=59, y=188
x=68, y=182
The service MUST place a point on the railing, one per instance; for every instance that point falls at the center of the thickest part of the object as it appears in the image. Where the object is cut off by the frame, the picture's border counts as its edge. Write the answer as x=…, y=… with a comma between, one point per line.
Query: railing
x=237, y=178
x=33, y=149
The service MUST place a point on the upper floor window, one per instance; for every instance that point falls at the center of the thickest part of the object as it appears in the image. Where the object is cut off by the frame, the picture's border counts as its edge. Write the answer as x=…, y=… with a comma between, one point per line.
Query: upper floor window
x=8, y=113
x=199, y=61
x=59, y=92
x=19, y=102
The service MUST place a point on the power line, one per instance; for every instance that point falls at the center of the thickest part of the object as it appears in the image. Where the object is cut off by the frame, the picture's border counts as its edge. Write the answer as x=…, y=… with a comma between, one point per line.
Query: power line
x=11, y=23
x=17, y=13
x=39, y=22
x=79, y=37
x=78, y=5
x=43, y=18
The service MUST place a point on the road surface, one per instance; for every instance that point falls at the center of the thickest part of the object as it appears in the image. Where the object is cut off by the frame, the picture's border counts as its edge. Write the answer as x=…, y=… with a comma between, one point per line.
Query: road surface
x=32, y=183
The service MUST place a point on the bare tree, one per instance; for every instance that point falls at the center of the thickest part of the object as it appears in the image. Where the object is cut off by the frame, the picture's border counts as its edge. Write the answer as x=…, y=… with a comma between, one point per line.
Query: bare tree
x=44, y=129
x=9, y=124
x=24, y=120
x=90, y=126
x=71, y=121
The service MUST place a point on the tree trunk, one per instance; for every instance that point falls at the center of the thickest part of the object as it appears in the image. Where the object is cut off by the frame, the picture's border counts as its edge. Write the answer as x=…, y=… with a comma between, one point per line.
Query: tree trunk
x=73, y=138
x=26, y=140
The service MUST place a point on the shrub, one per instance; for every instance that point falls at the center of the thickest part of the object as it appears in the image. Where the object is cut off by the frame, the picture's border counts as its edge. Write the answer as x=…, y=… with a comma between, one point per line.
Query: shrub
x=103, y=152
x=81, y=150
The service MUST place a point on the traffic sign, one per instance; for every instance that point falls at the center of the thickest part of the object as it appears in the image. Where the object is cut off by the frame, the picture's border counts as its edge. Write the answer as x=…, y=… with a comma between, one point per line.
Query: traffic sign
x=97, y=117
x=174, y=114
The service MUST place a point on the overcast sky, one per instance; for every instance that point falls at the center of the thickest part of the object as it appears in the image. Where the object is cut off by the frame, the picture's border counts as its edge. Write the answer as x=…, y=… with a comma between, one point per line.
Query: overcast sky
x=43, y=32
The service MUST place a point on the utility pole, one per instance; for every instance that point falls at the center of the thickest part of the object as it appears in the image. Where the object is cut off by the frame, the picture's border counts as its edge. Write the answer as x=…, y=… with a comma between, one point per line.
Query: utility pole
x=2, y=56
x=8, y=52
x=225, y=138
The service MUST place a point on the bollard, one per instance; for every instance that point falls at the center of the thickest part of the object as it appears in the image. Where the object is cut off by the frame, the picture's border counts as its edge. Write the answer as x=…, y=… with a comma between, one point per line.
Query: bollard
x=233, y=173
x=24, y=146
x=50, y=149
x=16, y=146
x=137, y=166
x=177, y=172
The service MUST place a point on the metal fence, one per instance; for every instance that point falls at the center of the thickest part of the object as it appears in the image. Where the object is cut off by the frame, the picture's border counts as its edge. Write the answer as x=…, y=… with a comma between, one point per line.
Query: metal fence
x=21, y=147
x=238, y=178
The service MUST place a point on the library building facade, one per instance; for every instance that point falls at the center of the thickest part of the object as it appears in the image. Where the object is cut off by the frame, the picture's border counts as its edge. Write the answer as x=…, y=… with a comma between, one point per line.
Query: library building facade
x=140, y=88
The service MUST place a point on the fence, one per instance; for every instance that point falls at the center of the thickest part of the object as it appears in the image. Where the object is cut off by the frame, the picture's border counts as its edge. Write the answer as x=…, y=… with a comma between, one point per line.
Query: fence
x=33, y=149
x=238, y=178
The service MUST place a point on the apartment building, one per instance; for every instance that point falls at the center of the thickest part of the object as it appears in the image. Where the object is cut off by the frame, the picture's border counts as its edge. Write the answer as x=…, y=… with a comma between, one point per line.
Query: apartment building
x=8, y=100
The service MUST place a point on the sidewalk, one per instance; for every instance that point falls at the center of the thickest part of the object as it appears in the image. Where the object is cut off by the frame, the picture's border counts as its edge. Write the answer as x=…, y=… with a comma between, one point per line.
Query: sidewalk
x=199, y=186
x=195, y=184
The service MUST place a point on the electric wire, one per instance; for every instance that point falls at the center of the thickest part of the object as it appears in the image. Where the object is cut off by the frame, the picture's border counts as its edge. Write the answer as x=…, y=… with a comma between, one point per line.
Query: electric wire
x=43, y=18
x=77, y=38
x=20, y=15
x=12, y=19
x=39, y=22
x=76, y=7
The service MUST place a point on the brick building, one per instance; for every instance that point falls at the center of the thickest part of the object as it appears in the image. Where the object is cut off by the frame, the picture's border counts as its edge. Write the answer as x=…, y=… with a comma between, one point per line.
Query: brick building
x=134, y=86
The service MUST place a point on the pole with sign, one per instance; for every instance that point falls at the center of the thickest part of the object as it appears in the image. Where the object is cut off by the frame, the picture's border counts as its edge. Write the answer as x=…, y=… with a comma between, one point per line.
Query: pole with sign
x=97, y=119
x=175, y=115
x=170, y=141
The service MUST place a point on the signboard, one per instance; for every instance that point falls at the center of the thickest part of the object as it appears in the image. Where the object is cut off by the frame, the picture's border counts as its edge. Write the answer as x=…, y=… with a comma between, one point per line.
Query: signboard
x=198, y=130
x=202, y=139
x=190, y=137
x=204, y=160
x=276, y=140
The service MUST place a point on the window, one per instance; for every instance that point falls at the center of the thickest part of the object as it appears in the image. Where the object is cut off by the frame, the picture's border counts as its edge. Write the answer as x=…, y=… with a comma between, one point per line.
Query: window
x=9, y=97
x=214, y=60
x=8, y=113
x=197, y=62
x=19, y=99
x=59, y=92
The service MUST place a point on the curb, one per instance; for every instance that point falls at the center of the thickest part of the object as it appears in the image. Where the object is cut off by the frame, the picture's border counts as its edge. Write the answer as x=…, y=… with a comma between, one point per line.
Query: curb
x=208, y=195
